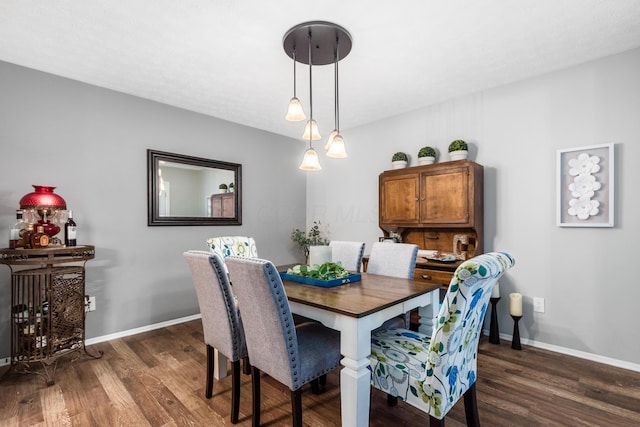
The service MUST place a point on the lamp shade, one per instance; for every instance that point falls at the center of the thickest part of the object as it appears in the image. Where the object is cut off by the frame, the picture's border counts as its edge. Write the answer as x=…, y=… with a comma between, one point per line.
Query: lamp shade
x=42, y=198
x=337, y=149
x=295, y=113
x=310, y=161
x=311, y=128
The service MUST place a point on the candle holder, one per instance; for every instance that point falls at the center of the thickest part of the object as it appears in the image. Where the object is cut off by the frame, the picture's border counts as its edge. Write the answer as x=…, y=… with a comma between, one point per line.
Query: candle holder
x=494, y=332
x=515, y=341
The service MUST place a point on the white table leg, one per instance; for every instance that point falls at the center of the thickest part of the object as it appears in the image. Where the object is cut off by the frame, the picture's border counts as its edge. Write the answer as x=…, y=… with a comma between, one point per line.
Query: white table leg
x=220, y=362
x=429, y=313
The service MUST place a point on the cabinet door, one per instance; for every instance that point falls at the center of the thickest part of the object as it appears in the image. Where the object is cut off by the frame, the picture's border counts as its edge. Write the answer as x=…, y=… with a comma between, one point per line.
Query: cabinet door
x=228, y=206
x=444, y=197
x=399, y=199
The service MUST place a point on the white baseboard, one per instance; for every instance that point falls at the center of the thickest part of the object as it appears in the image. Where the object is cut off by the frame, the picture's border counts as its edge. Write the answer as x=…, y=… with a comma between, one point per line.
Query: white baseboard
x=576, y=353
x=563, y=350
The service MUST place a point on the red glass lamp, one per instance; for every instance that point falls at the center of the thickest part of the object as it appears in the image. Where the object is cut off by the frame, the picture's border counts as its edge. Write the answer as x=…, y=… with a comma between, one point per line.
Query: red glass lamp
x=46, y=203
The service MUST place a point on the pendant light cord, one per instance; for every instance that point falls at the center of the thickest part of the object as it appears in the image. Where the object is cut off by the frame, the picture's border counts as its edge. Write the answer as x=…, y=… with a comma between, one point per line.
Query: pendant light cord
x=337, y=118
x=310, y=95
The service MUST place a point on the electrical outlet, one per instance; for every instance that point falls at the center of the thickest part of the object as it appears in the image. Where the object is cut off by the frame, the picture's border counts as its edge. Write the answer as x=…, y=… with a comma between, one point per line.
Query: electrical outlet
x=538, y=304
x=90, y=303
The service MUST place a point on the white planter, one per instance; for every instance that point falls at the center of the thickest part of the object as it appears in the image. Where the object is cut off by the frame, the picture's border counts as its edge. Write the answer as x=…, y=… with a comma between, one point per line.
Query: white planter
x=222, y=190
x=399, y=164
x=426, y=160
x=458, y=155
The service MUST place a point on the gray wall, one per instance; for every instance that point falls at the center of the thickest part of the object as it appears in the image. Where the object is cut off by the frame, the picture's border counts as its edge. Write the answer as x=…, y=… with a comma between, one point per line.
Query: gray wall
x=586, y=275
x=91, y=144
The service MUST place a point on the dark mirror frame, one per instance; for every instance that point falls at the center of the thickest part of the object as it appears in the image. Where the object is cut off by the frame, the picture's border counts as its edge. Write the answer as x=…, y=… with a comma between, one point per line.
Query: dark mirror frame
x=154, y=218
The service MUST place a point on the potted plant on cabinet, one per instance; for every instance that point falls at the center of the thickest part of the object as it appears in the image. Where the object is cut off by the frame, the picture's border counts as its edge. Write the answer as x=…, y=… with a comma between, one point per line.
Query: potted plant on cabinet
x=426, y=155
x=231, y=187
x=458, y=150
x=223, y=188
x=399, y=160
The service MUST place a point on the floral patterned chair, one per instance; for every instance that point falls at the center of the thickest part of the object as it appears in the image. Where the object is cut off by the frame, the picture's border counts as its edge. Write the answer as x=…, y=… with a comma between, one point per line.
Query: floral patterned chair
x=433, y=372
x=233, y=245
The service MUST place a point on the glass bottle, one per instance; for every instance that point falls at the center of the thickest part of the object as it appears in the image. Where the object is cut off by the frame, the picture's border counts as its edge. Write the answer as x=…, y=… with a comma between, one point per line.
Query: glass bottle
x=70, y=231
x=26, y=236
x=17, y=229
x=39, y=239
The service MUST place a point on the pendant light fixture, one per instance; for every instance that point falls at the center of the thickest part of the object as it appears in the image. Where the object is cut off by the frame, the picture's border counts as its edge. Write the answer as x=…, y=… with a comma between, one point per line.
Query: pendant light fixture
x=335, y=144
x=310, y=160
x=323, y=39
x=295, y=113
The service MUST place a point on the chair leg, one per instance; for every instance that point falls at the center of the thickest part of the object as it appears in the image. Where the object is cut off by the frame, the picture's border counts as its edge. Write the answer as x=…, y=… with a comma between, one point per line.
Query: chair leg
x=434, y=422
x=210, y=368
x=296, y=407
x=392, y=400
x=323, y=380
x=246, y=366
x=315, y=386
x=471, y=407
x=255, y=387
x=235, y=391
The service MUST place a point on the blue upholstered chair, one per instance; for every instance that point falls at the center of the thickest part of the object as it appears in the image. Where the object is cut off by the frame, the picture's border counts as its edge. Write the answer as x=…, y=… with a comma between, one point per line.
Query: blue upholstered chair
x=396, y=260
x=293, y=355
x=221, y=320
x=349, y=254
x=433, y=372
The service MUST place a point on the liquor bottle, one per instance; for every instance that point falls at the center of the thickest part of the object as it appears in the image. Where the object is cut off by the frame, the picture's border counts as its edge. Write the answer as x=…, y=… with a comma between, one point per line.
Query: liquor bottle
x=17, y=229
x=70, y=231
x=26, y=236
x=39, y=239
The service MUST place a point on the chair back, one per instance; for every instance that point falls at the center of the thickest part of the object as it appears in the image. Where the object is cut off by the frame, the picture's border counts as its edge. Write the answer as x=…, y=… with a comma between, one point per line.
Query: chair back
x=453, y=352
x=393, y=259
x=349, y=254
x=221, y=321
x=233, y=245
x=269, y=329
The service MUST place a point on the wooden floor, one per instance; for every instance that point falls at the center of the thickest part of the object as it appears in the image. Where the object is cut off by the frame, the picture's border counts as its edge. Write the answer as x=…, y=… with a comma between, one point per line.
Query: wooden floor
x=157, y=379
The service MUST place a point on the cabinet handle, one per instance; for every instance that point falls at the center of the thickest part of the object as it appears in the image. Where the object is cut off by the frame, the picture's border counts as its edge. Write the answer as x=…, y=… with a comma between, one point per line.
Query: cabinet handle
x=426, y=277
x=422, y=199
x=417, y=199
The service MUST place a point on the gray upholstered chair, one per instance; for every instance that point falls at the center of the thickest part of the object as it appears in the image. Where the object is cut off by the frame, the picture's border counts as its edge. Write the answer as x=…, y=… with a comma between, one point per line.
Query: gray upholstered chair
x=221, y=320
x=432, y=372
x=349, y=254
x=293, y=355
x=396, y=260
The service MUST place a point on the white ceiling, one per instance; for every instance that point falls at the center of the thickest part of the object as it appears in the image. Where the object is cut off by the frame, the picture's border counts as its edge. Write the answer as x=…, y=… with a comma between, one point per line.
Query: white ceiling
x=225, y=58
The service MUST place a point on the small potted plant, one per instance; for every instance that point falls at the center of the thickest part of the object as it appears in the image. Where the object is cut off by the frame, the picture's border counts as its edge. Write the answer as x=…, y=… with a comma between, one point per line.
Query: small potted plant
x=399, y=160
x=426, y=155
x=231, y=187
x=223, y=188
x=458, y=150
x=313, y=238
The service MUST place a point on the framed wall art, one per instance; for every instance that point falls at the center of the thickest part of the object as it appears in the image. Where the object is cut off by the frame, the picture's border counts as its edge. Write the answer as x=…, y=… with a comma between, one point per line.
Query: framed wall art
x=586, y=186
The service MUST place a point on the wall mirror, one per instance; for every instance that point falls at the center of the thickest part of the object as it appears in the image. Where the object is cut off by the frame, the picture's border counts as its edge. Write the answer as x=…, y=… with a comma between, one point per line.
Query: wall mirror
x=186, y=190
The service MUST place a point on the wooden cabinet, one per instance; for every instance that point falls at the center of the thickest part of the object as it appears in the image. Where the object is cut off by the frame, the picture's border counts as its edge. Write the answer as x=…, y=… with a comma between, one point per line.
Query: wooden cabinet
x=223, y=205
x=438, y=207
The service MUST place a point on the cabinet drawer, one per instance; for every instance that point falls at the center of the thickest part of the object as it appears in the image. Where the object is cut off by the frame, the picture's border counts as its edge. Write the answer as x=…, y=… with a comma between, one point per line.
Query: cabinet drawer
x=438, y=276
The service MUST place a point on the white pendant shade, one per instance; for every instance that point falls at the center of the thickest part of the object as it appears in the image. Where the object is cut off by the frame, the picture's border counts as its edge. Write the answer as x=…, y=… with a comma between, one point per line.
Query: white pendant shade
x=337, y=149
x=310, y=161
x=295, y=113
x=311, y=127
x=330, y=139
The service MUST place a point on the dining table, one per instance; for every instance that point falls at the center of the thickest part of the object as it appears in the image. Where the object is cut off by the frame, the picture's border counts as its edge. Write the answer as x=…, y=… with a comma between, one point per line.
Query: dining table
x=355, y=309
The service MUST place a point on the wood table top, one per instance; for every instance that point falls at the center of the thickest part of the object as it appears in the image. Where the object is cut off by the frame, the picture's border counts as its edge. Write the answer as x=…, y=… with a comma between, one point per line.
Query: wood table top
x=358, y=299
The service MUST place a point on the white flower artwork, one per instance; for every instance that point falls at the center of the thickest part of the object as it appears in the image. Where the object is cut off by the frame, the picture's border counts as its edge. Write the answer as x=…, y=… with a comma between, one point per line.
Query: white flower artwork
x=585, y=190
x=584, y=186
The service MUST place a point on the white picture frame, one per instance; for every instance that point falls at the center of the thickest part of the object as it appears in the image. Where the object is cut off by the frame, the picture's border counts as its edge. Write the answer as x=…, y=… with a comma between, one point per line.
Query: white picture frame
x=585, y=187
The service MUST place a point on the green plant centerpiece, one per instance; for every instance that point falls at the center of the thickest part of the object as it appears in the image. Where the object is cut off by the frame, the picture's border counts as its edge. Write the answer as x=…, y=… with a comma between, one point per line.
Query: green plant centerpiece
x=326, y=271
x=399, y=157
x=313, y=238
x=458, y=145
x=427, y=152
